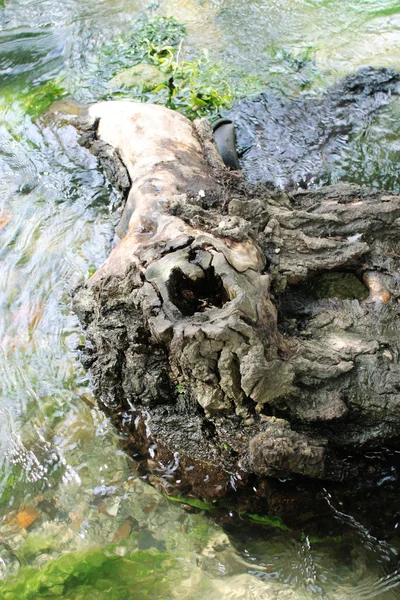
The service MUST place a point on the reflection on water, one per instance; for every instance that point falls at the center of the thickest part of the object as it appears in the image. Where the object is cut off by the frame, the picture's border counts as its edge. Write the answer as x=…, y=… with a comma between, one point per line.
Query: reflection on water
x=65, y=484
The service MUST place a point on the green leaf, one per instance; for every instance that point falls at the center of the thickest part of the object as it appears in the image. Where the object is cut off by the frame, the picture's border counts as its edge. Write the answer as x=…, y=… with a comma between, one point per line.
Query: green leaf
x=265, y=520
x=195, y=502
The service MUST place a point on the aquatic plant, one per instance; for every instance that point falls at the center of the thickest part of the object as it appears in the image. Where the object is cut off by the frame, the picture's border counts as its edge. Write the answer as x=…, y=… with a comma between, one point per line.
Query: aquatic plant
x=34, y=100
x=193, y=85
x=40, y=98
x=269, y=521
x=128, y=50
x=194, y=502
x=94, y=575
x=291, y=71
x=161, y=31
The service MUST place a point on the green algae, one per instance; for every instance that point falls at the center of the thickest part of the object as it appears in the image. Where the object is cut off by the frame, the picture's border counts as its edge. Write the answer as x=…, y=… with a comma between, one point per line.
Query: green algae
x=9, y=487
x=194, y=84
x=291, y=72
x=194, y=88
x=160, y=31
x=94, y=575
x=35, y=100
x=42, y=97
x=34, y=545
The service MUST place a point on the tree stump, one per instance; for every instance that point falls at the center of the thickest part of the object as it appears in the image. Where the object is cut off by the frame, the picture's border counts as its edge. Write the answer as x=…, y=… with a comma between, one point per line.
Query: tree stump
x=217, y=339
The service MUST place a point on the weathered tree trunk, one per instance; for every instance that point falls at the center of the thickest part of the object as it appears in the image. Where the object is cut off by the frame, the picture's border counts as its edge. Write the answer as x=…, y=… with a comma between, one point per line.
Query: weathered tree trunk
x=206, y=340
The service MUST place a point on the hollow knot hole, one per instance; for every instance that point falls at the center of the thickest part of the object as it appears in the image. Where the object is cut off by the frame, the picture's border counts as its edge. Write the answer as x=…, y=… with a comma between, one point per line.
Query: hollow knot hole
x=199, y=294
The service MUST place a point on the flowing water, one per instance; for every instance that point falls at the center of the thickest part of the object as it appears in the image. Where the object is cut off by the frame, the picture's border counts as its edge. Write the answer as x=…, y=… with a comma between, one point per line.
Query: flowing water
x=75, y=519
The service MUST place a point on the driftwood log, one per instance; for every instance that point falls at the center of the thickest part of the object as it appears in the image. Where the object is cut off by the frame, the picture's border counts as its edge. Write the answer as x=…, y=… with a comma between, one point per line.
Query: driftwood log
x=205, y=342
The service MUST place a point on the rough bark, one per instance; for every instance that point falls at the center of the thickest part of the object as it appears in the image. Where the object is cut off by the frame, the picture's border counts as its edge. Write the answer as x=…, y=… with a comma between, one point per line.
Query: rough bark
x=204, y=341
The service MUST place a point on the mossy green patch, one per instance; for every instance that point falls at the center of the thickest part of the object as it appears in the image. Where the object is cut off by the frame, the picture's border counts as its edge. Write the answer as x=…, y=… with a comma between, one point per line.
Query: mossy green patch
x=94, y=575
x=142, y=76
x=344, y=286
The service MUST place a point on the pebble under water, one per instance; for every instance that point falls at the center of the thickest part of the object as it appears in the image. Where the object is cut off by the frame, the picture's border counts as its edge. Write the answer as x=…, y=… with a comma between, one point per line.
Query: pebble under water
x=76, y=519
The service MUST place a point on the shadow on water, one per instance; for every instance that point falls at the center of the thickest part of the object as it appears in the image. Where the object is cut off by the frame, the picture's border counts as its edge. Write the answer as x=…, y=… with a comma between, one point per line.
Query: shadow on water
x=75, y=519
x=315, y=140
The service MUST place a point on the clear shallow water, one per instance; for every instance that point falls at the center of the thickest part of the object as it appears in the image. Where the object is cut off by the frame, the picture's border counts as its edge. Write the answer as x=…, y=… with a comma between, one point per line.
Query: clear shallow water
x=65, y=484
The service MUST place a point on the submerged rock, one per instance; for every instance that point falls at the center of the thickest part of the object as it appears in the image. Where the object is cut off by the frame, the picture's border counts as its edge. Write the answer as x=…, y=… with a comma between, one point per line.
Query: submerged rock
x=143, y=76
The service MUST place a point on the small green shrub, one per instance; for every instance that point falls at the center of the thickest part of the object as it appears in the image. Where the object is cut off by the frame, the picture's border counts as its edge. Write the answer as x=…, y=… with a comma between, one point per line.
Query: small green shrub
x=195, y=87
